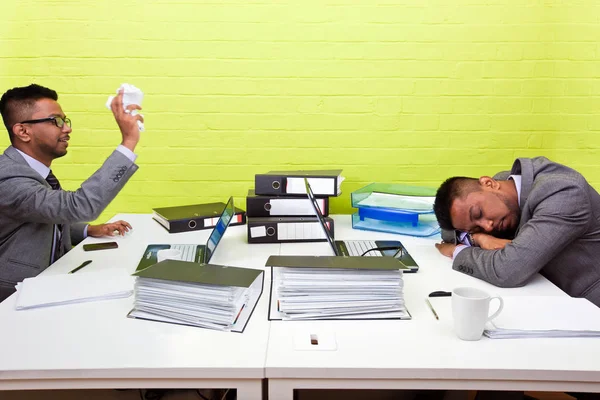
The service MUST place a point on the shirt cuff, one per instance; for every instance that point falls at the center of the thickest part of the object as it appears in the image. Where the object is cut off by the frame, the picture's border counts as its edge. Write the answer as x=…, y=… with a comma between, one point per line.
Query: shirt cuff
x=126, y=152
x=85, y=231
x=458, y=249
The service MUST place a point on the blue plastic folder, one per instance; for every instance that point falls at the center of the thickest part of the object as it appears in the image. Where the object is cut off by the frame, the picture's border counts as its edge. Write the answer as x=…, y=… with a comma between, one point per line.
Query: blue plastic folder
x=395, y=208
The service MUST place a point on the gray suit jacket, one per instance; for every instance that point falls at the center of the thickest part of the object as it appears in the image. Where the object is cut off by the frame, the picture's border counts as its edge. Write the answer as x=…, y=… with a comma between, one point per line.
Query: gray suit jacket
x=29, y=208
x=558, y=234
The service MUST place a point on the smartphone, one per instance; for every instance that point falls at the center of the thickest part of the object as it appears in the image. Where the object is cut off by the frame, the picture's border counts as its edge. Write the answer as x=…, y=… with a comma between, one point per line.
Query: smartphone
x=100, y=246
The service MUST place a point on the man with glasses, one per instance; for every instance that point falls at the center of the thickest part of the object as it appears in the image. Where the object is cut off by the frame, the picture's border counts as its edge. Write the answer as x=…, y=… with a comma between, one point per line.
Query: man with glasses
x=39, y=220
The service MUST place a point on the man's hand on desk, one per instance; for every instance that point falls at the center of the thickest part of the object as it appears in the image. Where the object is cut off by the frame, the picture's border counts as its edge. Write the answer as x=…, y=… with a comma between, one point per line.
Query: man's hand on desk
x=446, y=249
x=111, y=229
x=489, y=242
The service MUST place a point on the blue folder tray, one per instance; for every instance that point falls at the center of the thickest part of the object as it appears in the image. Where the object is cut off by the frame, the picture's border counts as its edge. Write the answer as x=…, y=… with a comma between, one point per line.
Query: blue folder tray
x=395, y=208
x=425, y=225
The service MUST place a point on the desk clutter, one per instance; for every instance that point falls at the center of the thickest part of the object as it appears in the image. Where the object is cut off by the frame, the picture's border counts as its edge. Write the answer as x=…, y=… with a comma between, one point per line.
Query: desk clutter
x=323, y=288
x=202, y=295
x=395, y=208
x=279, y=210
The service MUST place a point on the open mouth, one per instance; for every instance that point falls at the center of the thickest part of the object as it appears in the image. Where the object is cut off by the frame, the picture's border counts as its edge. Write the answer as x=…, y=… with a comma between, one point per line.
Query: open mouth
x=65, y=139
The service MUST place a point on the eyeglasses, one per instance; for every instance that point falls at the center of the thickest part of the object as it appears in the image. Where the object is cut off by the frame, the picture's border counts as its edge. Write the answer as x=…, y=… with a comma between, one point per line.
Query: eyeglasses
x=58, y=121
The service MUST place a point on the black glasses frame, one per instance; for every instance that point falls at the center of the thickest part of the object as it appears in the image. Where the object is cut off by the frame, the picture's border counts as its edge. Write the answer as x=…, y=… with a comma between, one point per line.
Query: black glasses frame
x=58, y=121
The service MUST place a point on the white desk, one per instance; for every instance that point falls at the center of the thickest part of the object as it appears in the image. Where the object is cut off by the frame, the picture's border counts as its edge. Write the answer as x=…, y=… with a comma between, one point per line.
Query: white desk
x=95, y=345
x=424, y=353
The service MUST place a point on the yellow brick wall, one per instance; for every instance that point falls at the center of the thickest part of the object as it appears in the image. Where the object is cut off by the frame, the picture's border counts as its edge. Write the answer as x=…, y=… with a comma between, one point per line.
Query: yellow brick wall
x=406, y=91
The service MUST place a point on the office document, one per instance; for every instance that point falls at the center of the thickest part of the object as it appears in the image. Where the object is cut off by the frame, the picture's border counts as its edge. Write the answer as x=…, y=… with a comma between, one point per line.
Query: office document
x=320, y=288
x=545, y=316
x=64, y=289
x=202, y=295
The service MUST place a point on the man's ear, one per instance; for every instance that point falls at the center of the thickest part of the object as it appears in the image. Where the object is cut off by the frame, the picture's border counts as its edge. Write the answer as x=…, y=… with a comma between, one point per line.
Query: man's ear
x=489, y=182
x=21, y=133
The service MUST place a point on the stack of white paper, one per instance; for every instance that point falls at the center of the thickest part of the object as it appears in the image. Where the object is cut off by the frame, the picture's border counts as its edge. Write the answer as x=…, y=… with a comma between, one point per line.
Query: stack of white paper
x=54, y=290
x=204, y=295
x=331, y=293
x=545, y=316
x=207, y=306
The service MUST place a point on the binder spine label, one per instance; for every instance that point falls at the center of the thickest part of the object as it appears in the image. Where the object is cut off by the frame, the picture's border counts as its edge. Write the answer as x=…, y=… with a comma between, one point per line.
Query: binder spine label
x=321, y=186
x=299, y=231
x=294, y=206
x=258, y=231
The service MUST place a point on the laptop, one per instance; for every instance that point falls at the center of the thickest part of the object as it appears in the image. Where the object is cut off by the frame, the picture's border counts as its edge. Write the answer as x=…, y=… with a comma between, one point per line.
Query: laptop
x=365, y=248
x=200, y=253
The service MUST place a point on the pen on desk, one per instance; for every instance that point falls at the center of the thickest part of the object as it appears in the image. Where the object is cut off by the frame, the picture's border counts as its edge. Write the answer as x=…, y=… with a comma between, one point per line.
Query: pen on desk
x=431, y=308
x=83, y=264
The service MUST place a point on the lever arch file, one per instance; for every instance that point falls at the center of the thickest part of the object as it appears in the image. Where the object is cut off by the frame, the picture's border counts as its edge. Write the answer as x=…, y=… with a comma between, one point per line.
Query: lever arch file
x=323, y=182
x=194, y=217
x=282, y=206
x=286, y=229
x=321, y=288
x=203, y=295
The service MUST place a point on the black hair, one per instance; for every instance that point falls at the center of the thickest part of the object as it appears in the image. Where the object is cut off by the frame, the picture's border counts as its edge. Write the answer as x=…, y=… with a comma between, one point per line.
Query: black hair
x=18, y=103
x=449, y=191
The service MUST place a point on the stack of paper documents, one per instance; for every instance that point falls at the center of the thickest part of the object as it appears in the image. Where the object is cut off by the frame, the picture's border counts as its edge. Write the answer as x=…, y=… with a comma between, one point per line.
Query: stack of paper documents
x=334, y=293
x=54, y=290
x=545, y=316
x=203, y=295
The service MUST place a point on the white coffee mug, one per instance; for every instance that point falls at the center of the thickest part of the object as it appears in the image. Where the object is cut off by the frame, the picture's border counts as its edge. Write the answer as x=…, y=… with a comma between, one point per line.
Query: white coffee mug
x=470, y=311
x=168, y=254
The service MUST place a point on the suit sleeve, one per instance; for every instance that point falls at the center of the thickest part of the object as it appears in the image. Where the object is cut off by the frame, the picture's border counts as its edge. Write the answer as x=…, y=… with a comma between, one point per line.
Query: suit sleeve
x=560, y=217
x=77, y=232
x=25, y=196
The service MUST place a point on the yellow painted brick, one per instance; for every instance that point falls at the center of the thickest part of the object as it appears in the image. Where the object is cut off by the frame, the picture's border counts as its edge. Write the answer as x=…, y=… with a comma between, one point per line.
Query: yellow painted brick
x=237, y=88
x=464, y=122
x=508, y=105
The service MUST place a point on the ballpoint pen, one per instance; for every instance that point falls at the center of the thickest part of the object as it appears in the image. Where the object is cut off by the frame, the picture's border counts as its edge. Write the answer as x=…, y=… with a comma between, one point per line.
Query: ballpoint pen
x=431, y=308
x=83, y=264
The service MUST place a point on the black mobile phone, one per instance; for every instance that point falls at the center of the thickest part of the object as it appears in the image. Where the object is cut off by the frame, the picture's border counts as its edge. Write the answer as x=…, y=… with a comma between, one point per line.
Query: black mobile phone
x=100, y=246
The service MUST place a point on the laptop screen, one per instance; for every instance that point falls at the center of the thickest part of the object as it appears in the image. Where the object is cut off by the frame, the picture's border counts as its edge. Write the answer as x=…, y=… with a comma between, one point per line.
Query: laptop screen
x=219, y=230
x=315, y=205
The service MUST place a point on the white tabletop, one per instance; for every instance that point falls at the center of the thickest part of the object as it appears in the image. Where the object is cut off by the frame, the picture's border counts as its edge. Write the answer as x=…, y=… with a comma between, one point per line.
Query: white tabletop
x=96, y=345
x=423, y=352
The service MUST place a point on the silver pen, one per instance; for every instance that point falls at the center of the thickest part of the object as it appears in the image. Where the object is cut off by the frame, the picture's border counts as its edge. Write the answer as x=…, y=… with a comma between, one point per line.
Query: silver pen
x=432, y=309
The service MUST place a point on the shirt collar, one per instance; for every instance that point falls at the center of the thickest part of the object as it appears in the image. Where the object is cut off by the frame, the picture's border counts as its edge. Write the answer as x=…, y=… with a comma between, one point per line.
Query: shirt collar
x=517, y=180
x=35, y=164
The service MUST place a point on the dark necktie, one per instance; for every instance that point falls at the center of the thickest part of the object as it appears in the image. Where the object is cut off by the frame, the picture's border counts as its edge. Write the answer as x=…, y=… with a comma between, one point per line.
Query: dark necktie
x=53, y=181
x=56, y=238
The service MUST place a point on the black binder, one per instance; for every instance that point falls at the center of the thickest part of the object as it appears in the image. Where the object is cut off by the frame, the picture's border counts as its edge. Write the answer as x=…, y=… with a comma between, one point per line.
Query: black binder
x=283, y=183
x=194, y=217
x=287, y=229
x=282, y=206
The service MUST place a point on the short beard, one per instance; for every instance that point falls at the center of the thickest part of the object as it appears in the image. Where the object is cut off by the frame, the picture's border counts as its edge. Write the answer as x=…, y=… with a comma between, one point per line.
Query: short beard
x=509, y=233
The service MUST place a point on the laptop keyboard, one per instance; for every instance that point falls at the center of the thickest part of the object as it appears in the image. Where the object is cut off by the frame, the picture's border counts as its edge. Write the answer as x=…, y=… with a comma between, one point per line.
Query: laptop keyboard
x=188, y=251
x=358, y=247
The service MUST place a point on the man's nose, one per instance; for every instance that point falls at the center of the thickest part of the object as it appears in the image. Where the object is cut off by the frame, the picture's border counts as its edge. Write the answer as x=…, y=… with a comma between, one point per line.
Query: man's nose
x=488, y=226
